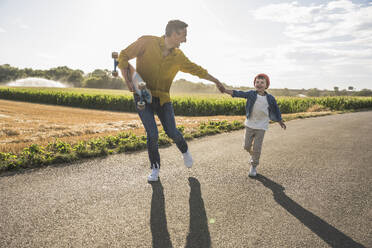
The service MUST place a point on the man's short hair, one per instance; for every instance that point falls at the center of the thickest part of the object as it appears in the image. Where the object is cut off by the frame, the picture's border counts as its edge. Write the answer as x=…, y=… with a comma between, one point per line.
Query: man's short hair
x=174, y=26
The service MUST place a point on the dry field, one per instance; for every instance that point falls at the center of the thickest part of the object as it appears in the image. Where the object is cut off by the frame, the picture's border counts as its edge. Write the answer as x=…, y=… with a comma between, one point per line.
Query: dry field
x=23, y=123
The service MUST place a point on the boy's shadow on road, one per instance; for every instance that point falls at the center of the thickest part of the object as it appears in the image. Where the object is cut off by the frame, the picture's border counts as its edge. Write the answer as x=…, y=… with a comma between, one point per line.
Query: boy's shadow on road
x=331, y=235
x=198, y=235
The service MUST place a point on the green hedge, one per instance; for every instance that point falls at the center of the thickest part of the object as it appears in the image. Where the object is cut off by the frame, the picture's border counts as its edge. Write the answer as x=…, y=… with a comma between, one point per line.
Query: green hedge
x=187, y=106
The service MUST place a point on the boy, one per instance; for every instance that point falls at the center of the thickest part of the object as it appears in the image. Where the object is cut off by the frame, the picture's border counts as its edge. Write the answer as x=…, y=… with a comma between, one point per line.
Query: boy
x=261, y=107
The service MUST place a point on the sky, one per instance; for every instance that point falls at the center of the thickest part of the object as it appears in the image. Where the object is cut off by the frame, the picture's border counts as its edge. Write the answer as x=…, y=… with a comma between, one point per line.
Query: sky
x=299, y=44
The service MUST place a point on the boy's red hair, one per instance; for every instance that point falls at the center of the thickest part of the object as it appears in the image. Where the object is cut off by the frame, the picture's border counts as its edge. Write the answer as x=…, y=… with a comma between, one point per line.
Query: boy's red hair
x=264, y=76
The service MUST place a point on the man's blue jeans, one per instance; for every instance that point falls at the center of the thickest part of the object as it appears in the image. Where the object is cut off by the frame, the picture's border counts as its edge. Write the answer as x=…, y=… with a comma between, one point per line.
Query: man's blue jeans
x=166, y=117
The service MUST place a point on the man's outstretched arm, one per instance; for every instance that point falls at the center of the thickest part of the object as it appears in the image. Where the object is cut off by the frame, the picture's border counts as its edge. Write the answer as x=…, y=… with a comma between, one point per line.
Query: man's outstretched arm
x=189, y=67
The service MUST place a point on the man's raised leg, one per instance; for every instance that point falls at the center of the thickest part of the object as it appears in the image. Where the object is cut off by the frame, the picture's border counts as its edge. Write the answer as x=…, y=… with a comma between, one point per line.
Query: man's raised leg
x=166, y=116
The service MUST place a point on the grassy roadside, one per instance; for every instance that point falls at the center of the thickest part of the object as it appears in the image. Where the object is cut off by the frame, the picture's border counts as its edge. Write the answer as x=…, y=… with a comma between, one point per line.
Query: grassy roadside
x=62, y=152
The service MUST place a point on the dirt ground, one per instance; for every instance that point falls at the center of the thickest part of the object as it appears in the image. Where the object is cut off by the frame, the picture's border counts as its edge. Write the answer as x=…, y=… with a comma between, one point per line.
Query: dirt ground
x=23, y=123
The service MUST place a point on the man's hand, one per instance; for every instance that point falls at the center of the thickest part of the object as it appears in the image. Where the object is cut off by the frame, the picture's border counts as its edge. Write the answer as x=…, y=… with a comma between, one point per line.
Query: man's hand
x=282, y=125
x=128, y=80
x=219, y=85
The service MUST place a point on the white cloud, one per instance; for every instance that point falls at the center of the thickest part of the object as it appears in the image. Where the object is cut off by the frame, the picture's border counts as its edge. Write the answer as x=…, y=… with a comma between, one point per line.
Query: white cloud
x=312, y=23
x=24, y=26
x=2, y=30
x=21, y=24
x=287, y=13
x=331, y=40
x=340, y=5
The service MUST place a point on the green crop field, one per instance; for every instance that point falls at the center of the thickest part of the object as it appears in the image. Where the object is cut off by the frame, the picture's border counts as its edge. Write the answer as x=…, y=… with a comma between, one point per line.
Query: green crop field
x=187, y=105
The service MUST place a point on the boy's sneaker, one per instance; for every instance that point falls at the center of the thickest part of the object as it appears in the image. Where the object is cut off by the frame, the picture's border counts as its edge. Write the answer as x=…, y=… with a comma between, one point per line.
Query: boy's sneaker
x=187, y=159
x=154, y=176
x=252, y=172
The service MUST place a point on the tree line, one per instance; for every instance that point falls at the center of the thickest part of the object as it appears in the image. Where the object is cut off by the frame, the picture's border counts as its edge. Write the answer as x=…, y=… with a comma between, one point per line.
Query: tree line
x=96, y=79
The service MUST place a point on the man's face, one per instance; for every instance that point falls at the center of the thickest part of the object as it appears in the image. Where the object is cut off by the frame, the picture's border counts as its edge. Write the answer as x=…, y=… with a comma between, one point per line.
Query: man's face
x=179, y=37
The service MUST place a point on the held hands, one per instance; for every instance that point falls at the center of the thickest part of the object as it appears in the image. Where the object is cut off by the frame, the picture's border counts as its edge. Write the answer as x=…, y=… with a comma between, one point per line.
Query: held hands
x=222, y=89
x=217, y=82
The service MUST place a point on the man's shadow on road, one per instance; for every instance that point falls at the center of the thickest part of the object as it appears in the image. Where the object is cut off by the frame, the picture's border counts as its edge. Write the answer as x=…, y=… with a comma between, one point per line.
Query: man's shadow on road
x=331, y=235
x=198, y=235
x=158, y=220
x=198, y=229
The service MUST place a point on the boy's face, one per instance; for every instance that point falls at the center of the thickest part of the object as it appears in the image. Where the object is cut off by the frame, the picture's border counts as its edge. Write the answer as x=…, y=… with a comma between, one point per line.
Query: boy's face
x=260, y=84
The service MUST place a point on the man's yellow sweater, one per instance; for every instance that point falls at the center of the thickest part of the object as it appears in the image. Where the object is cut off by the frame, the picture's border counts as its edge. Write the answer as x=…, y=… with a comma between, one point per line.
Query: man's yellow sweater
x=156, y=70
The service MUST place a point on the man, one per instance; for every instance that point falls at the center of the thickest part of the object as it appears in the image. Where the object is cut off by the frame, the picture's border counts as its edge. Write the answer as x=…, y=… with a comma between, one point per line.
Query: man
x=158, y=61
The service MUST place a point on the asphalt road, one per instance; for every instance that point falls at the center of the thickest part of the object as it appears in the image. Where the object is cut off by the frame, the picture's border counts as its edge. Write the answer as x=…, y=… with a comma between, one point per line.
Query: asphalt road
x=313, y=190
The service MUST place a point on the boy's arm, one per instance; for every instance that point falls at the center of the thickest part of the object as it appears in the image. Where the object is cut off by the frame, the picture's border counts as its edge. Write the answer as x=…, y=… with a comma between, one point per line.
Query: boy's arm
x=235, y=93
x=238, y=93
x=281, y=123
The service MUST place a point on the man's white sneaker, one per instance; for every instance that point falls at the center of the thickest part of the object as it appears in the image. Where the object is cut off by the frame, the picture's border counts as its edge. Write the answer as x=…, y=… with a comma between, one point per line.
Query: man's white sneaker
x=252, y=172
x=154, y=176
x=187, y=159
